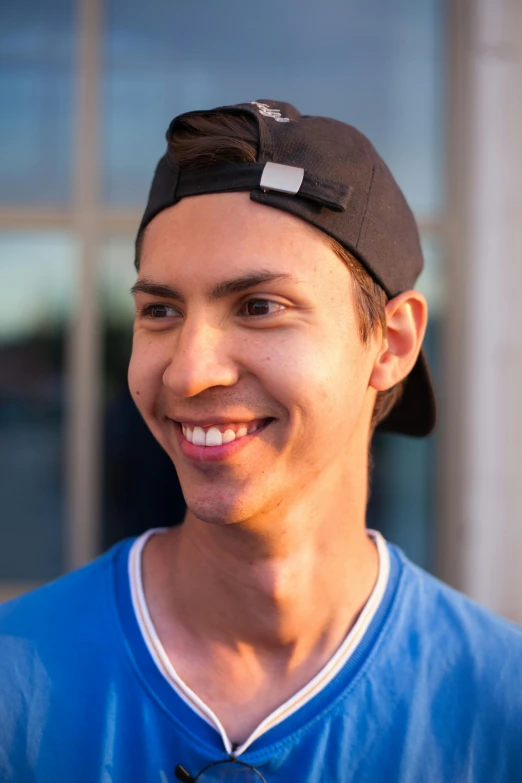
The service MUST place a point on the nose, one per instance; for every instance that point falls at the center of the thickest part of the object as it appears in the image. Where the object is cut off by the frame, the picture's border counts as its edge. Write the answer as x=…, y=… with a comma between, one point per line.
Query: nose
x=201, y=360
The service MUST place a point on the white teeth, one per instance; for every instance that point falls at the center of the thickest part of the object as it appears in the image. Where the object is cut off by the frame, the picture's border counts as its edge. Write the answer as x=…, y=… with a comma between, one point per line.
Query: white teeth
x=213, y=437
x=198, y=436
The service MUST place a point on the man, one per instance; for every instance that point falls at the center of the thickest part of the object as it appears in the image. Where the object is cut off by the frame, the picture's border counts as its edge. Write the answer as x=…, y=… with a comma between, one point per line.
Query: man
x=271, y=636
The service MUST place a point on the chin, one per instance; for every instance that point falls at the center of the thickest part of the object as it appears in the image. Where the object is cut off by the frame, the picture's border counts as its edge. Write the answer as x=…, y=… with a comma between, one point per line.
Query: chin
x=224, y=508
x=217, y=513
x=214, y=504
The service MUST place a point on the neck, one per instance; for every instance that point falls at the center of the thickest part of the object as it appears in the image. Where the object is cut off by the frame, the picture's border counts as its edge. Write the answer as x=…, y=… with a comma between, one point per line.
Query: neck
x=252, y=585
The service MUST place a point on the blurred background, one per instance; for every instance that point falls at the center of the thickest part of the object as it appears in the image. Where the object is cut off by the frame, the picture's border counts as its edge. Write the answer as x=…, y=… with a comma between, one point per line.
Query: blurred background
x=87, y=90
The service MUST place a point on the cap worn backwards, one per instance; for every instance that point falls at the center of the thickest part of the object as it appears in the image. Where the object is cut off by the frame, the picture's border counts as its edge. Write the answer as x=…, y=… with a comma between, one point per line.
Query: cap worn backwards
x=329, y=174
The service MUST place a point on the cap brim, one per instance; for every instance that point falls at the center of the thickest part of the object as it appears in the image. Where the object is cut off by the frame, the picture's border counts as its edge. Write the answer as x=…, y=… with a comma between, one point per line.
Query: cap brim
x=415, y=413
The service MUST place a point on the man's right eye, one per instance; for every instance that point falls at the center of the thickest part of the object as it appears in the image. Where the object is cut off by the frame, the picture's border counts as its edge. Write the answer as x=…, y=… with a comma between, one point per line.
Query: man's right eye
x=158, y=311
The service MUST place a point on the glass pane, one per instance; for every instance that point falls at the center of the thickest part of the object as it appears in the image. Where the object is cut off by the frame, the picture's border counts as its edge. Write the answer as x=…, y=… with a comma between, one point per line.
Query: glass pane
x=38, y=278
x=431, y=282
x=140, y=486
x=36, y=93
x=377, y=65
x=403, y=503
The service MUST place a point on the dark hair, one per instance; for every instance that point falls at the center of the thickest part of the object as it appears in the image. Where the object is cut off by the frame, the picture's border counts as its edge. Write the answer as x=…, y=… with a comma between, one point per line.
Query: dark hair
x=218, y=137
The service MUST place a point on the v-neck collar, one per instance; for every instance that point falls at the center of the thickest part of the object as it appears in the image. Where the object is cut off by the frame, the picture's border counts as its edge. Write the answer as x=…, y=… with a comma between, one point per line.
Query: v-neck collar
x=298, y=705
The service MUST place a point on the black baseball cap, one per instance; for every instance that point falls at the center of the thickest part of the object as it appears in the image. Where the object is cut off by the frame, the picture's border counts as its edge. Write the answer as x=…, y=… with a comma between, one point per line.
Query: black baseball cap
x=329, y=174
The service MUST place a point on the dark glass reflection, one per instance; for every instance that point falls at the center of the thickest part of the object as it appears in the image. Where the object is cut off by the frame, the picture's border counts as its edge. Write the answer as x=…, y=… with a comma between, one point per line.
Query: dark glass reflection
x=34, y=308
x=38, y=43
x=403, y=486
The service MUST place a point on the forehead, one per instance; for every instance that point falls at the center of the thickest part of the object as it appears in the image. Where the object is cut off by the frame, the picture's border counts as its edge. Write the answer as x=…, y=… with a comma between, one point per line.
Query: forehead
x=216, y=234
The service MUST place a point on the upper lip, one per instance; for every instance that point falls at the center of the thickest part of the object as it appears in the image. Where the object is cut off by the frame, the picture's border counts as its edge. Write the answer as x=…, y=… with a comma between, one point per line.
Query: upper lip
x=219, y=420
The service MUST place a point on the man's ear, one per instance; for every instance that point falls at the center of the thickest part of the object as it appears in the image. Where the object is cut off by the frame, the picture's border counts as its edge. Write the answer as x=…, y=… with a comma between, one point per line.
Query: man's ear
x=407, y=316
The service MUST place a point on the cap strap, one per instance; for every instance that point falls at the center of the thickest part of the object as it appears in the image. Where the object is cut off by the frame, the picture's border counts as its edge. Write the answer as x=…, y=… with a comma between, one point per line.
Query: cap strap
x=249, y=176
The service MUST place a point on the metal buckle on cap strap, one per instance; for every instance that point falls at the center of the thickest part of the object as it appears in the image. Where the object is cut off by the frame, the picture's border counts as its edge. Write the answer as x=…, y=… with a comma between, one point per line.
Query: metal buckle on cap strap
x=285, y=179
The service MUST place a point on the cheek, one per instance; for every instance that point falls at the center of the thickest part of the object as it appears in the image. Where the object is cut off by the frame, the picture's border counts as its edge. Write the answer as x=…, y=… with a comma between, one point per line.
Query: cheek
x=300, y=375
x=323, y=387
x=144, y=376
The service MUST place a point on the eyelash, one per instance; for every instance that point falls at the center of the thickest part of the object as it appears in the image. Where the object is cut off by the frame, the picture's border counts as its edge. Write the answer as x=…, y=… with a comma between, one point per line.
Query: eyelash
x=147, y=310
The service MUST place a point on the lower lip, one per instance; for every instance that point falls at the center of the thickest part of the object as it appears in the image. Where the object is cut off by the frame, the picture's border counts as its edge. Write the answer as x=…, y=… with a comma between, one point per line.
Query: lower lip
x=214, y=453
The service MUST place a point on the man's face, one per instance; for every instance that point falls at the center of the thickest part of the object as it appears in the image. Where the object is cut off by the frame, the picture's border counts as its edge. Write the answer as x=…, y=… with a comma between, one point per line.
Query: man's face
x=245, y=327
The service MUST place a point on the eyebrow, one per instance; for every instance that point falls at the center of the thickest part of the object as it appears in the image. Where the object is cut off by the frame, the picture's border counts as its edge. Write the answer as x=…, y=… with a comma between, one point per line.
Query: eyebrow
x=235, y=285
x=146, y=286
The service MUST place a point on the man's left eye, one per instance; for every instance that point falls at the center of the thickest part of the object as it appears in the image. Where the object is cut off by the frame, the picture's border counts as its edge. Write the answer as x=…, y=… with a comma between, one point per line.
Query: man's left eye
x=261, y=307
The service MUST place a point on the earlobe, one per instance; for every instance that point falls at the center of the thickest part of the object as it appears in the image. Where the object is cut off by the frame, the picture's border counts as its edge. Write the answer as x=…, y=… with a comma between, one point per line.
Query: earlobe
x=406, y=316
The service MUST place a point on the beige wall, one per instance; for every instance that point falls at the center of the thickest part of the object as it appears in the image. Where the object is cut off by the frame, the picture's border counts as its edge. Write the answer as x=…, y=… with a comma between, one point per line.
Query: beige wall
x=482, y=458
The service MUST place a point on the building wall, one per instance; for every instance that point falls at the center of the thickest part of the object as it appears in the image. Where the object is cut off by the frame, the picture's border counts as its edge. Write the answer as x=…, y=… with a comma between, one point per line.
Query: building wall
x=480, y=529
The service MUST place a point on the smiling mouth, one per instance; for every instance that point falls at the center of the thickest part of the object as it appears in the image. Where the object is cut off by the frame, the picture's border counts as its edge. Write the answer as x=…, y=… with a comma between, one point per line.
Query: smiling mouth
x=221, y=434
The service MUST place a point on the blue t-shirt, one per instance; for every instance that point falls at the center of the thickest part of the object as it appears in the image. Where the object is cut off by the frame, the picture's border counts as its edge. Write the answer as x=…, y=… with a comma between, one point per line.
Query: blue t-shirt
x=432, y=694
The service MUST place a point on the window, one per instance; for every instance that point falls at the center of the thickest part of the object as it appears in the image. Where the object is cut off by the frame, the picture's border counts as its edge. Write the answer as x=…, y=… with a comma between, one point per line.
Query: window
x=376, y=65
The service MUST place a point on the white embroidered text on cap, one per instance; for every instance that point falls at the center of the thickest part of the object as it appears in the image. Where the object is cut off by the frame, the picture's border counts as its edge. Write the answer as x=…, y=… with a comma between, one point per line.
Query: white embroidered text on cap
x=266, y=111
